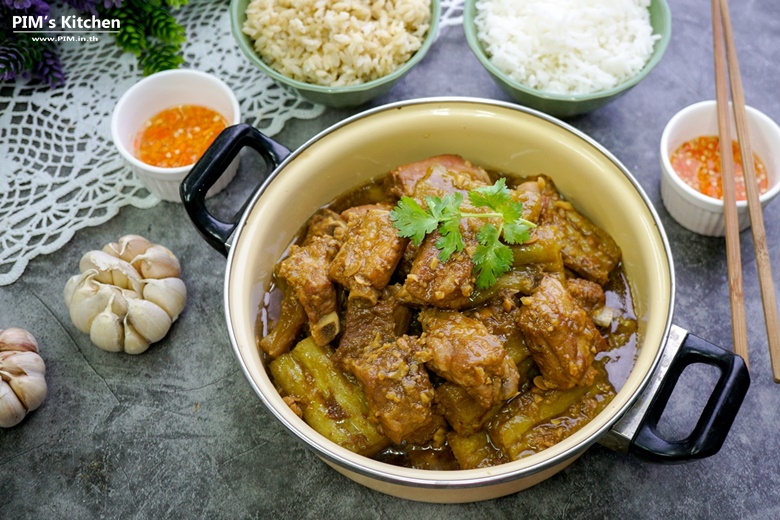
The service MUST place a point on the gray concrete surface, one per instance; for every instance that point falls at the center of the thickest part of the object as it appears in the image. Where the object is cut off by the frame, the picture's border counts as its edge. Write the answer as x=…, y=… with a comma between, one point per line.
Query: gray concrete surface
x=178, y=432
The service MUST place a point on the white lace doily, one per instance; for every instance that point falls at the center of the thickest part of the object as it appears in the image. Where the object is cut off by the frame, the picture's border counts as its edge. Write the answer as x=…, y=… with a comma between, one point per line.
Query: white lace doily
x=59, y=170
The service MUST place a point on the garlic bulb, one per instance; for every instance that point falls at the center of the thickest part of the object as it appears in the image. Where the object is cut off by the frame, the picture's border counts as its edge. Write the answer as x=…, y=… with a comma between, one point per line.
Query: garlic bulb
x=22, y=376
x=127, y=295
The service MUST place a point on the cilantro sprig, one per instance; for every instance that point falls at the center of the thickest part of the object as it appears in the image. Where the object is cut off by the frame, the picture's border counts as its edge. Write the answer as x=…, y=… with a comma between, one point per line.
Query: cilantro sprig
x=492, y=257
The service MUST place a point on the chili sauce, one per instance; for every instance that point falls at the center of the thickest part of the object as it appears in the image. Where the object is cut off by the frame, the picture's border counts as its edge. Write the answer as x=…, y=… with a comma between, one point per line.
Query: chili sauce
x=178, y=136
x=697, y=163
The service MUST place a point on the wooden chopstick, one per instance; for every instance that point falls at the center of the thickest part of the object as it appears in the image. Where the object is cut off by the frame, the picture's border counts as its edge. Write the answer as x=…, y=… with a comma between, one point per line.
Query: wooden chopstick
x=733, y=255
x=751, y=188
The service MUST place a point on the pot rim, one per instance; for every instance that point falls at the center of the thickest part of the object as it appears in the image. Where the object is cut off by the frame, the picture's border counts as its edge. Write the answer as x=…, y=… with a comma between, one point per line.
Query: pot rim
x=453, y=478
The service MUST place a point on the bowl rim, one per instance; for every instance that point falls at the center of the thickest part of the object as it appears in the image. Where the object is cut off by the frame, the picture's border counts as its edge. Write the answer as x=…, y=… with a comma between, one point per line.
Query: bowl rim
x=244, y=42
x=693, y=195
x=659, y=48
x=440, y=479
x=128, y=96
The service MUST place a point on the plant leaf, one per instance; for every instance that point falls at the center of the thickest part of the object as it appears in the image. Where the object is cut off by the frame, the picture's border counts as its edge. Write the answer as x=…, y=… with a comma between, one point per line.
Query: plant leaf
x=517, y=232
x=412, y=221
x=451, y=239
x=492, y=258
x=490, y=196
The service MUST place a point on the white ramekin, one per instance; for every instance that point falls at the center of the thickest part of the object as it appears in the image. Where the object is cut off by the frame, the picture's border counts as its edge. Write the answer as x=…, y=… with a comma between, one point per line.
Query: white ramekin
x=693, y=210
x=156, y=93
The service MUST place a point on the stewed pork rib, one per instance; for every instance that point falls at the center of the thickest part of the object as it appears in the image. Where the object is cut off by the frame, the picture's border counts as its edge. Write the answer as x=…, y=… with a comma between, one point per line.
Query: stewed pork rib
x=586, y=249
x=461, y=350
x=561, y=337
x=384, y=323
x=369, y=254
x=446, y=285
x=399, y=392
x=305, y=270
x=435, y=176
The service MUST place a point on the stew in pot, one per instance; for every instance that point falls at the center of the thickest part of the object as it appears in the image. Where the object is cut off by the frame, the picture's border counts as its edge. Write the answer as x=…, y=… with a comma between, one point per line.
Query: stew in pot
x=486, y=337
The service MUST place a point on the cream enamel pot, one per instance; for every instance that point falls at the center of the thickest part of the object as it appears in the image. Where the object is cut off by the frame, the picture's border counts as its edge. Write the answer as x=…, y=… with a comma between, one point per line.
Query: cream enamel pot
x=497, y=136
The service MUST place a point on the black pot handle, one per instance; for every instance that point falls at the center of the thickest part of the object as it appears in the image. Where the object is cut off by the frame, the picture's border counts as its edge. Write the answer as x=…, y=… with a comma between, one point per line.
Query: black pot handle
x=716, y=418
x=210, y=168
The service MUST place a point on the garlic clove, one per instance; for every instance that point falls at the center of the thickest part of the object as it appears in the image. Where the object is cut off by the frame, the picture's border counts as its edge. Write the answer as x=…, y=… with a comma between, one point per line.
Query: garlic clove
x=170, y=294
x=20, y=363
x=107, y=332
x=74, y=283
x=93, y=299
x=157, y=262
x=16, y=339
x=111, y=270
x=128, y=247
x=88, y=300
x=31, y=390
x=135, y=343
x=12, y=410
x=30, y=385
x=148, y=319
x=119, y=304
x=602, y=317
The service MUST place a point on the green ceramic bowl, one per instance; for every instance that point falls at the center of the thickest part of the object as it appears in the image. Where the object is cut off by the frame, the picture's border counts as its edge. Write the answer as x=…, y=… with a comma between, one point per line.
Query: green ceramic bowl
x=347, y=96
x=566, y=105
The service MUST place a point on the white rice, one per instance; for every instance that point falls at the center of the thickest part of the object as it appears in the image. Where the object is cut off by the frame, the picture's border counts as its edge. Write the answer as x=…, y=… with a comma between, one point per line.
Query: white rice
x=566, y=46
x=337, y=42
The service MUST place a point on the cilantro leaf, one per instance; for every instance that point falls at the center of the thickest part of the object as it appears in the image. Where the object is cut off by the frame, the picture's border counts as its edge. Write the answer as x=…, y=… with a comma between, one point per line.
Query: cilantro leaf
x=492, y=197
x=412, y=221
x=492, y=258
x=447, y=212
x=445, y=208
x=518, y=232
x=499, y=199
x=511, y=211
x=451, y=240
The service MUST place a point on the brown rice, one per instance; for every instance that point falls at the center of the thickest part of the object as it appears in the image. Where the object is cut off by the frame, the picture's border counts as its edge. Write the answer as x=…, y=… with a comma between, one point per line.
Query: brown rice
x=337, y=42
